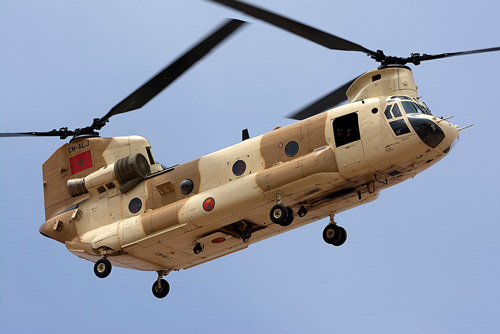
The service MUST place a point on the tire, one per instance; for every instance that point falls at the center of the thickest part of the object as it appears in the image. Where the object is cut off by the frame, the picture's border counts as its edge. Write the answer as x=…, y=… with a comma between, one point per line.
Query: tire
x=102, y=268
x=289, y=218
x=163, y=292
x=343, y=237
x=332, y=234
x=279, y=214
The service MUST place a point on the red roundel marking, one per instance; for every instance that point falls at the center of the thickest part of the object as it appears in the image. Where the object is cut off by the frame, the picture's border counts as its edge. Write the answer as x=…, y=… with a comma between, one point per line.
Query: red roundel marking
x=209, y=204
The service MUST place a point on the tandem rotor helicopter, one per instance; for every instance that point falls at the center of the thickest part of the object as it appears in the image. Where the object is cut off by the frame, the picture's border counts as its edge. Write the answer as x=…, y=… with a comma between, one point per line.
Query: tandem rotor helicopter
x=110, y=202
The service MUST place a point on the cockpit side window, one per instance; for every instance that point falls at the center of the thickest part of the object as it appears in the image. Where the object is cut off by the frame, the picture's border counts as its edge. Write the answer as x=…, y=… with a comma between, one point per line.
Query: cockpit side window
x=399, y=127
x=395, y=111
x=346, y=129
x=399, y=124
x=387, y=112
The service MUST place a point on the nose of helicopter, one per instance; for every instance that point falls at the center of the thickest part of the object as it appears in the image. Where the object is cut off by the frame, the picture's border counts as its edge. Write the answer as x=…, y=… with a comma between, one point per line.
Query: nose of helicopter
x=451, y=135
x=436, y=133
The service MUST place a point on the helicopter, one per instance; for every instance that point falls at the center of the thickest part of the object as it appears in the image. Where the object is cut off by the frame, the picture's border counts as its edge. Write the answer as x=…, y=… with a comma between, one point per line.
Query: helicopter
x=109, y=201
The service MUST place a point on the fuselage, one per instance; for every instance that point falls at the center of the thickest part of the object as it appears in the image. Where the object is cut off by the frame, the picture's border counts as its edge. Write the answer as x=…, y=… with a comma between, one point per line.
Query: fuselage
x=318, y=167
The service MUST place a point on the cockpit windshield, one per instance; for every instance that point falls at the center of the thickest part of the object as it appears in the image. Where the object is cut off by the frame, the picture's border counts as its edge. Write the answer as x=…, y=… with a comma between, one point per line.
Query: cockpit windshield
x=410, y=106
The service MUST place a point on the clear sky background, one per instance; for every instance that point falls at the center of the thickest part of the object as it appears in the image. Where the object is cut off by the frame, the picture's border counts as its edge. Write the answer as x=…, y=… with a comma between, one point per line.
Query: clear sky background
x=423, y=258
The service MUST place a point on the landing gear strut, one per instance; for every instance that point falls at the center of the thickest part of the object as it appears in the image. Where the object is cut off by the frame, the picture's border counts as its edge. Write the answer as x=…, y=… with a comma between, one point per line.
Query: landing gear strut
x=161, y=288
x=102, y=268
x=334, y=234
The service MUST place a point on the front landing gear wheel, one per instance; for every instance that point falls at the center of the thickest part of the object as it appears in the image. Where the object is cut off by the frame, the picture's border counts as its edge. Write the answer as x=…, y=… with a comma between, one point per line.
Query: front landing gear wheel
x=161, y=288
x=332, y=234
x=102, y=268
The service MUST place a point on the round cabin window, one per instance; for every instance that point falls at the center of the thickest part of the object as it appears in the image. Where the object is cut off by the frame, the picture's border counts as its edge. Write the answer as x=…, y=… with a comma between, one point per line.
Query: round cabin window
x=187, y=186
x=291, y=148
x=135, y=205
x=239, y=167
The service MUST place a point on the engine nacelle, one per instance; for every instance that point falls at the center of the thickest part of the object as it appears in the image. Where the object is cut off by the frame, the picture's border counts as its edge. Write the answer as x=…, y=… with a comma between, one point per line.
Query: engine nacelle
x=126, y=173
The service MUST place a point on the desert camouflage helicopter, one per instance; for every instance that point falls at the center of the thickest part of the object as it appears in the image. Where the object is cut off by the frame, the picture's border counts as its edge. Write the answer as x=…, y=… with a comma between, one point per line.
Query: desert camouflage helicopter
x=110, y=202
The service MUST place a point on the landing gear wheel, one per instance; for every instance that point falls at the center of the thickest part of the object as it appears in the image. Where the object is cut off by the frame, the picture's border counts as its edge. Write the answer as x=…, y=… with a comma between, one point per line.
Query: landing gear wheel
x=161, y=288
x=279, y=214
x=102, y=268
x=343, y=237
x=289, y=218
x=332, y=234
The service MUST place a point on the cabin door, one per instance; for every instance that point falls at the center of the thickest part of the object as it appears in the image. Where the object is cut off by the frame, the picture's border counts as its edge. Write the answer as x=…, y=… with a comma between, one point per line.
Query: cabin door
x=348, y=145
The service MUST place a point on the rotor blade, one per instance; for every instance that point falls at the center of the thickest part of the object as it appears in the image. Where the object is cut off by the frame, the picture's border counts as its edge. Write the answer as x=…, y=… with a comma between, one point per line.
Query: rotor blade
x=62, y=133
x=453, y=54
x=326, y=102
x=160, y=81
x=23, y=134
x=315, y=35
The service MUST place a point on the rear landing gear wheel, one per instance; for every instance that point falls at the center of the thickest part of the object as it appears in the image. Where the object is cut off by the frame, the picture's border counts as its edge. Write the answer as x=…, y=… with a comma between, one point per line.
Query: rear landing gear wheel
x=161, y=288
x=102, y=268
x=279, y=214
x=289, y=218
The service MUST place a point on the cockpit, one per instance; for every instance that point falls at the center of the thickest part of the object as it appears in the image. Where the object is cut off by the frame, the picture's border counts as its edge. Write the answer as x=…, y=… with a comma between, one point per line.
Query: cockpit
x=402, y=108
x=410, y=106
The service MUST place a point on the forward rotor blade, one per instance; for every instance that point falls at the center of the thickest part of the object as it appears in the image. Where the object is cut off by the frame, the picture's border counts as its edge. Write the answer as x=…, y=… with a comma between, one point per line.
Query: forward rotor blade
x=315, y=35
x=452, y=54
x=324, y=103
x=170, y=73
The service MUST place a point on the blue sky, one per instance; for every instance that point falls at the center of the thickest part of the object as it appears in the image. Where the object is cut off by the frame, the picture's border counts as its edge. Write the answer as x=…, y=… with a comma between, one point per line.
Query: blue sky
x=424, y=257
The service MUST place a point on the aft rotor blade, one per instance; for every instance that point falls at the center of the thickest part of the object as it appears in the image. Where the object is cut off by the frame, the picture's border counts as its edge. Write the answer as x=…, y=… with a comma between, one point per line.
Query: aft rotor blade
x=23, y=134
x=170, y=73
x=315, y=35
x=326, y=102
x=63, y=133
x=452, y=54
